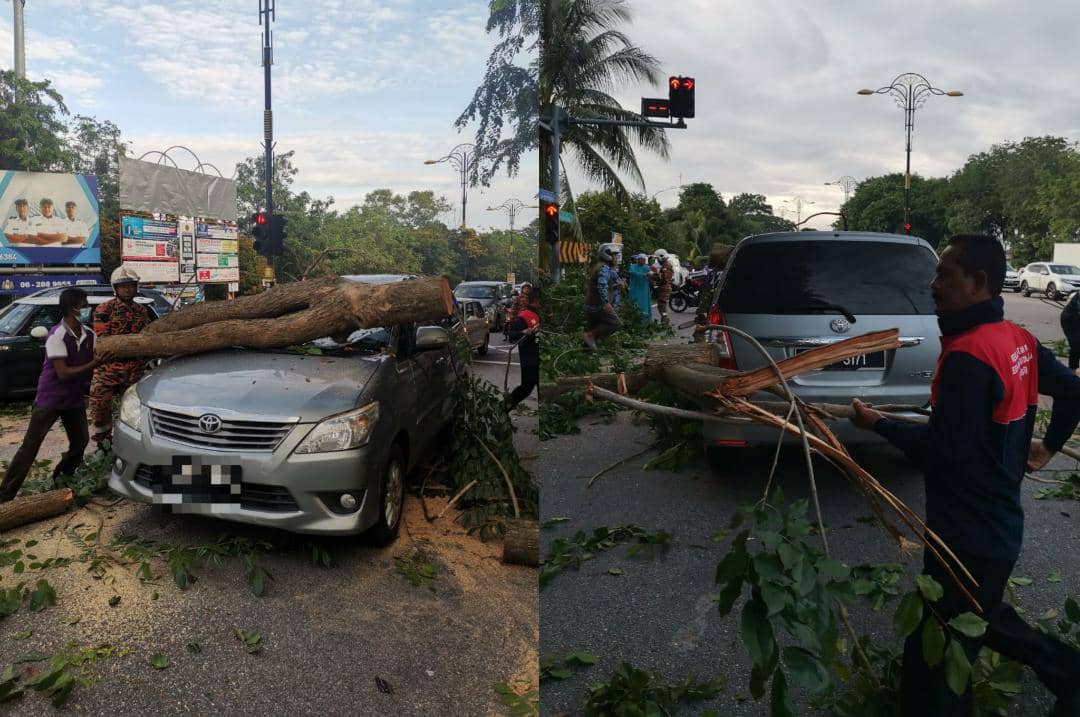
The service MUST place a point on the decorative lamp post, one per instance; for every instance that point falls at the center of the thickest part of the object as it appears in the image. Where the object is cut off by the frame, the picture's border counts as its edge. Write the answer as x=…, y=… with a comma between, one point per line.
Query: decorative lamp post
x=846, y=183
x=461, y=158
x=511, y=206
x=910, y=90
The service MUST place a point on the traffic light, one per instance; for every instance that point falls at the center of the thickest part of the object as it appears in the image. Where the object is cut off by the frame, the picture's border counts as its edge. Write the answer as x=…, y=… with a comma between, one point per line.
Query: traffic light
x=260, y=232
x=277, y=235
x=550, y=212
x=655, y=107
x=681, y=96
x=907, y=227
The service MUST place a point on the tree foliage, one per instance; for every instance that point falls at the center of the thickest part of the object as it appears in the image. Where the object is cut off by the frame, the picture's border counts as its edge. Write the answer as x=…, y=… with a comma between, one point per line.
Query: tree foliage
x=583, y=60
x=508, y=94
x=32, y=127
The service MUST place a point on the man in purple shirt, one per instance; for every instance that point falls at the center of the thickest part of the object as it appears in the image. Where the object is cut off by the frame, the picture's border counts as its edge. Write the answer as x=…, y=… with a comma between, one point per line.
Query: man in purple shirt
x=61, y=394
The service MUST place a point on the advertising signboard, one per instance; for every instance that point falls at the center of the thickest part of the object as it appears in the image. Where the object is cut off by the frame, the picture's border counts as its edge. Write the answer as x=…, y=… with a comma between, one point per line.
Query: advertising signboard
x=150, y=247
x=187, y=249
x=29, y=283
x=48, y=218
x=217, y=249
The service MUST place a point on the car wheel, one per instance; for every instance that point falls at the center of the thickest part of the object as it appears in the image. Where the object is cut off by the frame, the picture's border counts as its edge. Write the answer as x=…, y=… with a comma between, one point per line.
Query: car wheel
x=1051, y=291
x=678, y=303
x=1024, y=288
x=484, y=347
x=391, y=500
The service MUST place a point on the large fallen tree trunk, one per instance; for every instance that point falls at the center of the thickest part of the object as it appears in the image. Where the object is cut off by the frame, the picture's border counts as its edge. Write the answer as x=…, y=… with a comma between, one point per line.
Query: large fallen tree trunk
x=30, y=508
x=285, y=315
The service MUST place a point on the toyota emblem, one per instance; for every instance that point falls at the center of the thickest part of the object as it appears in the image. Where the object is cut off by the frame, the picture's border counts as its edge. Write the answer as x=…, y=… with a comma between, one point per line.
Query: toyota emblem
x=209, y=423
x=840, y=326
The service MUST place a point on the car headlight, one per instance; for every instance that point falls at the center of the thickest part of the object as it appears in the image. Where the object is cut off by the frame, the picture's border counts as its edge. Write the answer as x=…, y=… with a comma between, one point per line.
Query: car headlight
x=131, y=409
x=342, y=432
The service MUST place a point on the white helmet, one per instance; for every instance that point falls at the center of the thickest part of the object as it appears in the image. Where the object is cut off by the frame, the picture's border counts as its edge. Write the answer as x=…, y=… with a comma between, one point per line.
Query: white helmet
x=124, y=275
x=661, y=255
x=609, y=251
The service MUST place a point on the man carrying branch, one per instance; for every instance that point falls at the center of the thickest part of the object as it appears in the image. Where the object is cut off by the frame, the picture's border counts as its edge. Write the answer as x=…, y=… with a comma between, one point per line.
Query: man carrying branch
x=974, y=452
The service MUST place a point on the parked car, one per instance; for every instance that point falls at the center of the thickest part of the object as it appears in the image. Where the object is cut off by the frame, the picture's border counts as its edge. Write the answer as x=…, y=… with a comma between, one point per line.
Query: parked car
x=162, y=305
x=283, y=438
x=794, y=291
x=471, y=314
x=494, y=296
x=1012, y=278
x=1056, y=280
x=24, y=324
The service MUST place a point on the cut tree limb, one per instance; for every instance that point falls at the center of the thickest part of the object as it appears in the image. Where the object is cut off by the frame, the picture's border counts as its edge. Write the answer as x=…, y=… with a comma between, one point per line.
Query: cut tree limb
x=30, y=508
x=751, y=382
x=285, y=315
x=521, y=544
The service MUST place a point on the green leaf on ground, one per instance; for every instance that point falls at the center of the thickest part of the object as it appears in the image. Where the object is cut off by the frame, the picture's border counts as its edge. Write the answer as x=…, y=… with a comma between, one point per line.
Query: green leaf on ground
x=757, y=632
x=561, y=667
x=194, y=648
x=615, y=571
x=114, y=601
x=957, y=667
x=933, y=642
x=929, y=588
x=22, y=634
x=968, y=624
x=908, y=614
x=159, y=661
x=1022, y=582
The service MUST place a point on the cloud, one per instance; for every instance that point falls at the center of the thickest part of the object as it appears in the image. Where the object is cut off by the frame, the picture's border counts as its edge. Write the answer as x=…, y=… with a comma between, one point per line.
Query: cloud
x=777, y=112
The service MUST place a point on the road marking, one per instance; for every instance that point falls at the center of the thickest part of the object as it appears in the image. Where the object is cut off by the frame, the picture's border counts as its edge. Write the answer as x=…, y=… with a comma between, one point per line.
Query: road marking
x=496, y=363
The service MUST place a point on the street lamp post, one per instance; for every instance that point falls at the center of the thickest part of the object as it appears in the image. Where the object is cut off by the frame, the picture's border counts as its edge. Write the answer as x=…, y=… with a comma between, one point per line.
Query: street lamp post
x=910, y=90
x=511, y=206
x=799, y=202
x=461, y=158
x=847, y=183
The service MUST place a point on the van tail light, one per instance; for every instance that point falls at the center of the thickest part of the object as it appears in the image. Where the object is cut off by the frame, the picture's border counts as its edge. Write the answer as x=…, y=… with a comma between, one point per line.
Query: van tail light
x=723, y=342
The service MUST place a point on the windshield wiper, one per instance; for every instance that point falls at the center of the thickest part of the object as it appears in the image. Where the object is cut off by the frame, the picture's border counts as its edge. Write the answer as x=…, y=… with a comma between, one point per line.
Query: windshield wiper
x=828, y=307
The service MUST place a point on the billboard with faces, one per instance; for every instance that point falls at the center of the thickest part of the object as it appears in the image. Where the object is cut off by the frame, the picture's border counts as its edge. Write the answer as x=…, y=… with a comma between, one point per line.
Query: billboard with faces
x=48, y=218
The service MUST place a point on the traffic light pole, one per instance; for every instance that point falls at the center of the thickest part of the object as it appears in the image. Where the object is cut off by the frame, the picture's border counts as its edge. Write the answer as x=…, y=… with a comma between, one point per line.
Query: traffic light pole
x=266, y=16
x=554, y=125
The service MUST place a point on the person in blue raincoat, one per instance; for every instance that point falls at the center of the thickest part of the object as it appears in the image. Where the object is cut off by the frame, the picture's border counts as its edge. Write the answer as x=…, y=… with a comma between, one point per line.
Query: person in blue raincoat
x=640, y=293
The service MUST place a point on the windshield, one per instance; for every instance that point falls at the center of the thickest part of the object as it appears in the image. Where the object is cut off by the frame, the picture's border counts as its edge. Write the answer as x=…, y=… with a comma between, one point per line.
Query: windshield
x=476, y=292
x=12, y=317
x=811, y=277
x=1009, y=267
x=359, y=341
x=1064, y=269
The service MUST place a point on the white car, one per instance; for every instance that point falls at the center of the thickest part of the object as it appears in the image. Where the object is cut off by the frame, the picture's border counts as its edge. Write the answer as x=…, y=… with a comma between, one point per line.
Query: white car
x=1012, y=278
x=1056, y=280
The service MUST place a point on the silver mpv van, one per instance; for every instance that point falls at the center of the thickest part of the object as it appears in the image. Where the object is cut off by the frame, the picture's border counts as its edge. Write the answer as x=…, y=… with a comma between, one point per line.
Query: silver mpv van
x=795, y=291
x=312, y=441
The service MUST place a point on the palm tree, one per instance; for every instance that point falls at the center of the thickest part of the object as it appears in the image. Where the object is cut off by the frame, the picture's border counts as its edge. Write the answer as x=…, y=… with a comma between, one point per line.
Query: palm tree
x=582, y=60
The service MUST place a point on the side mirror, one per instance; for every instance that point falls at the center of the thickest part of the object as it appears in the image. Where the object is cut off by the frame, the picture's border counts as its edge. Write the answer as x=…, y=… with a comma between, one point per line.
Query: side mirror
x=431, y=337
x=39, y=332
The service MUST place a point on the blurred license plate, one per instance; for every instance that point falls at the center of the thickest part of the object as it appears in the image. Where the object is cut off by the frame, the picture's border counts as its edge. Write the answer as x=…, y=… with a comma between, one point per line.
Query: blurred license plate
x=874, y=360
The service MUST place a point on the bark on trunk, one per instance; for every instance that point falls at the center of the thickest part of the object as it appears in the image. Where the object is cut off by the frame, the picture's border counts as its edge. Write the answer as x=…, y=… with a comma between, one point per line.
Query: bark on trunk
x=285, y=315
x=34, y=507
x=658, y=356
x=521, y=544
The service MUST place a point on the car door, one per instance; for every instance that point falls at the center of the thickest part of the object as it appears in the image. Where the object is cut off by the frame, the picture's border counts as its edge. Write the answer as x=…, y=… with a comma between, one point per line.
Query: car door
x=475, y=323
x=27, y=352
x=1042, y=273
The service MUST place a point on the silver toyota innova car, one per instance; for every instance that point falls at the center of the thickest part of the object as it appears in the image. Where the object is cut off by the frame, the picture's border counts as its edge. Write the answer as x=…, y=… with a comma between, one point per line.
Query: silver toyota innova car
x=795, y=291
x=315, y=442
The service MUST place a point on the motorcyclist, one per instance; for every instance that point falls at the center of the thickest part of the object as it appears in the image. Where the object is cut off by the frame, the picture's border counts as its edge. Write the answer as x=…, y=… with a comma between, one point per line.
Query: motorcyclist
x=603, y=296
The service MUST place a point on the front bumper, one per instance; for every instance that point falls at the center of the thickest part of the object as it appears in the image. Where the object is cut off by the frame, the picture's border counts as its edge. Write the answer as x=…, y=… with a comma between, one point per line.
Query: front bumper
x=297, y=493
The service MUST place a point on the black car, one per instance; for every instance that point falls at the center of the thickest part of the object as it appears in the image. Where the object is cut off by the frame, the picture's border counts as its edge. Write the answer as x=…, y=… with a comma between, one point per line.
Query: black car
x=162, y=305
x=21, y=353
x=494, y=296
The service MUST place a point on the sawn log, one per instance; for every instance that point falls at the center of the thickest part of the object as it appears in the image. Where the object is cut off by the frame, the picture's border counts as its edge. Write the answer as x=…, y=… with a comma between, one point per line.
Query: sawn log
x=30, y=508
x=521, y=544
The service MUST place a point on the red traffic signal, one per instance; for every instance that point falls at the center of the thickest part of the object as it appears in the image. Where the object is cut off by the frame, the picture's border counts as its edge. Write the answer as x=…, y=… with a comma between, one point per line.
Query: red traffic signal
x=550, y=212
x=260, y=218
x=654, y=107
x=907, y=227
x=681, y=96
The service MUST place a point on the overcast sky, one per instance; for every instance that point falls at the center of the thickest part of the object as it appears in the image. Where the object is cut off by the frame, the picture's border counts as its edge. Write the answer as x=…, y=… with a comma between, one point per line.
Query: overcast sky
x=363, y=90
x=777, y=109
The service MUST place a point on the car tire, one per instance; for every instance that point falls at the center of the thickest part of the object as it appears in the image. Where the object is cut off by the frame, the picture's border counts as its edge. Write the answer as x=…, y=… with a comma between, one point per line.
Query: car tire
x=391, y=500
x=482, y=351
x=1025, y=289
x=1051, y=292
x=678, y=303
x=1016, y=290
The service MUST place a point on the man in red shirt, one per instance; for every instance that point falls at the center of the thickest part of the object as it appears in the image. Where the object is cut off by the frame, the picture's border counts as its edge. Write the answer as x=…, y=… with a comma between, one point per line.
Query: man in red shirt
x=524, y=329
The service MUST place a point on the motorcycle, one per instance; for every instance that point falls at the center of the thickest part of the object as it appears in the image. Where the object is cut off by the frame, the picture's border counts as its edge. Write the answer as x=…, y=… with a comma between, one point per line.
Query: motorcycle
x=687, y=295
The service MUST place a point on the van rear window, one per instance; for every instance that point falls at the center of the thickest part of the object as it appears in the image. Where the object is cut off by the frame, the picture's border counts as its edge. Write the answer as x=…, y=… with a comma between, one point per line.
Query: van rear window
x=864, y=277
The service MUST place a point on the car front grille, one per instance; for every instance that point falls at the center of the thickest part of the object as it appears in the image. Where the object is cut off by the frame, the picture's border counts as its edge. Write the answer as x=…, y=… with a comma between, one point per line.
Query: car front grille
x=234, y=435
x=253, y=496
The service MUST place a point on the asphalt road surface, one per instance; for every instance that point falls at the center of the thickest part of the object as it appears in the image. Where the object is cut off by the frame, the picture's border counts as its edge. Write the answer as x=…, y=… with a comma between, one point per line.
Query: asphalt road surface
x=659, y=613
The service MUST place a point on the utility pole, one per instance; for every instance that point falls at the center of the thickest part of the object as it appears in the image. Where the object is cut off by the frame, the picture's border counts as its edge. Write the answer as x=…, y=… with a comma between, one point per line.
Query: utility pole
x=266, y=16
x=20, y=42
